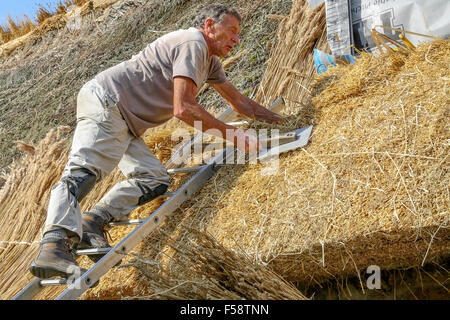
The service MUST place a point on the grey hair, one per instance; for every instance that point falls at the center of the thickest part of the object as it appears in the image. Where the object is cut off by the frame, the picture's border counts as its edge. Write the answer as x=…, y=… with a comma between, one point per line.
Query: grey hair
x=215, y=11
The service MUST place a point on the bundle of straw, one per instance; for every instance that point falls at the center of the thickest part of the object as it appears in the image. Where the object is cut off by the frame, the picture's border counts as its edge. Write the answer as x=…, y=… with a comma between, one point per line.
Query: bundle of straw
x=23, y=217
x=209, y=271
x=290, y=68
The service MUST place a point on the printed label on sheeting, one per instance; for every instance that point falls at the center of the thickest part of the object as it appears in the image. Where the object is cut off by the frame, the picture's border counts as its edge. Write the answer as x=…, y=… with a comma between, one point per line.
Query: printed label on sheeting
x=339, y=32
x=351, y=22
x=315, y=3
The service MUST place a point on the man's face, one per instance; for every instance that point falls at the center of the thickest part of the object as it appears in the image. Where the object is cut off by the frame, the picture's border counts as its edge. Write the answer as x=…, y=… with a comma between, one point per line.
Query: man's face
x=223, y=36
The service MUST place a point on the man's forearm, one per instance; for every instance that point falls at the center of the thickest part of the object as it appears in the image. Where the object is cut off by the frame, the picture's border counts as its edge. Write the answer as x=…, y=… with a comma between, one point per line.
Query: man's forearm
x=195, y=112
x=244, y=105
x=243, y=140
x=235, y=99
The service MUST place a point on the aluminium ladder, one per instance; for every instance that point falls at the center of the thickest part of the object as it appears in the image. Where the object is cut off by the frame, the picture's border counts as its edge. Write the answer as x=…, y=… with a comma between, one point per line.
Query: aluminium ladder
x=145, y=227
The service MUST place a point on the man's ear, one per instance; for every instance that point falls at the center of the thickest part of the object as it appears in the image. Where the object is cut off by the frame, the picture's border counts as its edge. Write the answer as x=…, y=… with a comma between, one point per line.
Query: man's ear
x=209, y=22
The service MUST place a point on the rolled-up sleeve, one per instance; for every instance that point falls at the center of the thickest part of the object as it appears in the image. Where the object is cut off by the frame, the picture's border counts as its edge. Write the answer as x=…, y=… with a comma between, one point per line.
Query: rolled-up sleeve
x=216, y=72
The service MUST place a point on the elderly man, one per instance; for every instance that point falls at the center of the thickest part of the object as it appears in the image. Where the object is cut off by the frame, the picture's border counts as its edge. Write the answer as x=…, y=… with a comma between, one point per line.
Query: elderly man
x=115, y=108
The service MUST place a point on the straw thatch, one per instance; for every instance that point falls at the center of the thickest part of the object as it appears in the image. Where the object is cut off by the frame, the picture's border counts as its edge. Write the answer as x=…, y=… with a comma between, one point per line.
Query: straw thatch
x=127, y=278
x=24, y=216
x=370, y=188
x=17, y=33
x=46, y=22
x=213, y=272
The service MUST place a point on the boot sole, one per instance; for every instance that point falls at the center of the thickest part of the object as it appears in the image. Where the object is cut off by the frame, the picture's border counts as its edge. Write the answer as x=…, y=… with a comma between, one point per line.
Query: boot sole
x=46, y=272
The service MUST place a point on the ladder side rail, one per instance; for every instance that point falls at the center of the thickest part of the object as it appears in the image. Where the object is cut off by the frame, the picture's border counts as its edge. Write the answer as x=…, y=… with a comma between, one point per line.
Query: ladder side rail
x=34, y=287
x=31, y=290
x=80, y=285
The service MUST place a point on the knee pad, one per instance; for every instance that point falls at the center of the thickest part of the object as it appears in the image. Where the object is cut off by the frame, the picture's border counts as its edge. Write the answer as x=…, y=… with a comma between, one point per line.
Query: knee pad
x=80, y=184
x=150, y=194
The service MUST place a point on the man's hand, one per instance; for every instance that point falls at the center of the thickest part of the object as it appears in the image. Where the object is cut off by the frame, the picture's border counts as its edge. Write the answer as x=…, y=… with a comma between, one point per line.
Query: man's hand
x=246, y=141
x=262, y=114
x=244, y=105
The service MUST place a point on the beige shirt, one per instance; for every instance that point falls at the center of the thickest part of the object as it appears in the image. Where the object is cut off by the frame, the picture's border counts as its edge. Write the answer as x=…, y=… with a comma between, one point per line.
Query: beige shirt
x=142, y=87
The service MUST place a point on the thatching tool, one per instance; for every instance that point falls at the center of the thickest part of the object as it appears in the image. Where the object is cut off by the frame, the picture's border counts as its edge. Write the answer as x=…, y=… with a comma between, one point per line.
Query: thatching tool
x=76, y=287
x=380, y=38
x=267, y=143
x=279, y=139
x=292, y=140
x=228, y=116
x=392, y=41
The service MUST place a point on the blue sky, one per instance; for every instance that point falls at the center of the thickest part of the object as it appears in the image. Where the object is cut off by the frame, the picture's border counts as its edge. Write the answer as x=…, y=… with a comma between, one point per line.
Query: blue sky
x=17, y=8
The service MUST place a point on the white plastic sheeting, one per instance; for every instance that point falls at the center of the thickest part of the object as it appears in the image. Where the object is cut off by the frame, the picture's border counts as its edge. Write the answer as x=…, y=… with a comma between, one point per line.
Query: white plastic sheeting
x=351, y=22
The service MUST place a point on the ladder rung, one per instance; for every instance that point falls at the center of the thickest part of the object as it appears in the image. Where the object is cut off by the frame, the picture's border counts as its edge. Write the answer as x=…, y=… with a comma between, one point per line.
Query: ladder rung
x=53, y=282
x=126, y=222
x=92, y=251
x=186, y=169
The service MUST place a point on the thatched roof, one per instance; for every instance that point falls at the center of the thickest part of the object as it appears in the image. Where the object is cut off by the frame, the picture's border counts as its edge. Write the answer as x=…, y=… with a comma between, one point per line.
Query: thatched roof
x=370, y=188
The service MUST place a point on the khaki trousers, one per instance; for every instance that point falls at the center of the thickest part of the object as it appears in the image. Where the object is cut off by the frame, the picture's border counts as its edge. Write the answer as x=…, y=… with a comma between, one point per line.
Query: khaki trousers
x=101, y=142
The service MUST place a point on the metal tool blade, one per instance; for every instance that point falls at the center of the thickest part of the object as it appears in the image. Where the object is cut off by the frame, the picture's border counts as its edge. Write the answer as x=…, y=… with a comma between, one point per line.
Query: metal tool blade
x=302, y=137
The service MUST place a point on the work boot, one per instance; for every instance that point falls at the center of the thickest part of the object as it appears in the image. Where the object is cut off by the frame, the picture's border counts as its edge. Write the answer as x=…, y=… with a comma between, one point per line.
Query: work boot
x=55, y=259
x=94, y=232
